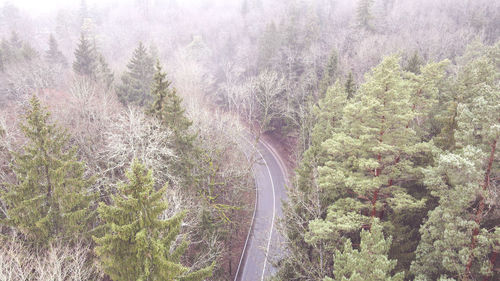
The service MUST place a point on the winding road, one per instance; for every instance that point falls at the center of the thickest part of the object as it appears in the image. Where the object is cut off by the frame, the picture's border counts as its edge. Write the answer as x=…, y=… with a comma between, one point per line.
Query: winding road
x=263, y=241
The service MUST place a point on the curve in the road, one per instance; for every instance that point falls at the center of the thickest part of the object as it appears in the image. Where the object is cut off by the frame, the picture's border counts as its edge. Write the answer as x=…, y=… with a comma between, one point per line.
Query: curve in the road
x=263, y=240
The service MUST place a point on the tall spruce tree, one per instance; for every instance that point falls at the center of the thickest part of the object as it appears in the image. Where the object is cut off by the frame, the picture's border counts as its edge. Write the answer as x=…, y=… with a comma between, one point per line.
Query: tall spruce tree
x=135, y=87
x=167, y=107
x=370, y=262
x=53, y=55
x=51, y=199
x=85, y=63
x=139, y=244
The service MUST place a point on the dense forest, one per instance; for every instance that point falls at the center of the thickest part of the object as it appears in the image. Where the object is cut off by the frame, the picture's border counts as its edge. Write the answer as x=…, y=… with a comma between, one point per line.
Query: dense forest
x=126, y=132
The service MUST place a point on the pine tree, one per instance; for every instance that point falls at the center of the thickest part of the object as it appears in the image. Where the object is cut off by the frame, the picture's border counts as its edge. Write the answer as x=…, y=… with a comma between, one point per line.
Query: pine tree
x=460, y=235
x=370, y=262
x=53, y=55
x=136, y=81
x=350, y=85
x=329, y=74
x=364, y=15
x=85, y=63
x=327, y=114
x=309, y=201
x=371, y=163
x=139, y=244
x=50, y=200
x=371, y=158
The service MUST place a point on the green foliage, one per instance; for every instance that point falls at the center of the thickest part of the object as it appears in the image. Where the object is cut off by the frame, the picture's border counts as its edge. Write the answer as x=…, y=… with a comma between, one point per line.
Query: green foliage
x=53, y=55
x=90, y=64
x=414, y=64
x=310, y=201
x=104, y=74
x=135, y=87
x=329, y=74
x=364, y=162
x=85, y=63
x=15, y=51
x=364, y=15
x=51, y=199
x=167, y=108
x=350, y=85
x=370, y=262
x=139, y=244
x=458, y=236
x=370, y=159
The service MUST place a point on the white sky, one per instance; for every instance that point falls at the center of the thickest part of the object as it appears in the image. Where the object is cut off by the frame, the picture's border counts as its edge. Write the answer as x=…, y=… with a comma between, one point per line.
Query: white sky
x=44, y=6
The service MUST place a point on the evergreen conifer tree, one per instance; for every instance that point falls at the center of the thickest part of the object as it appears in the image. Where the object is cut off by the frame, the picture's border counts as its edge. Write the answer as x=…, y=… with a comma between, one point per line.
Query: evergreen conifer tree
x=350, y=85
x=414, y=64
x=364, y=14
x=85, y=63
x=459, y=235
x=50, y=200
x=167, y=107
x=139, y=245
x=104, y=74
x=309, y=201
x=53, y=55
x=370, y=262
x=329, y=74
x=371, y=157
x=372, y=163
x=136, y=82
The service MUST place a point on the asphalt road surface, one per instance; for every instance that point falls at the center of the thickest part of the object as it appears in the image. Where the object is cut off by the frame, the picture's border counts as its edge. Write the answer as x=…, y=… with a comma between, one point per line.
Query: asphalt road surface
x=263, y=241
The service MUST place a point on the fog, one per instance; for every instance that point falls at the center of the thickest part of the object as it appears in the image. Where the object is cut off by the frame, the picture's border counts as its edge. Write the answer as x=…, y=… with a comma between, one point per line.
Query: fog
x=178, y=84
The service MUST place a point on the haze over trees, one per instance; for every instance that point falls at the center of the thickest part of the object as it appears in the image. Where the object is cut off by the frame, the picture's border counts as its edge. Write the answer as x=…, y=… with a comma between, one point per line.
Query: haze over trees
x=122, y=126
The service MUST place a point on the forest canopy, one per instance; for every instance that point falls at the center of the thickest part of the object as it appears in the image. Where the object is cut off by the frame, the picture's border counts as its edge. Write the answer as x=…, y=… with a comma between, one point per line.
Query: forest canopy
x=128, y=130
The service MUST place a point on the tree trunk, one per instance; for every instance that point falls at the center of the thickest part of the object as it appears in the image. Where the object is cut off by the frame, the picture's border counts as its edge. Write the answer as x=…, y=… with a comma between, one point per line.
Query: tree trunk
x=480, y=210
